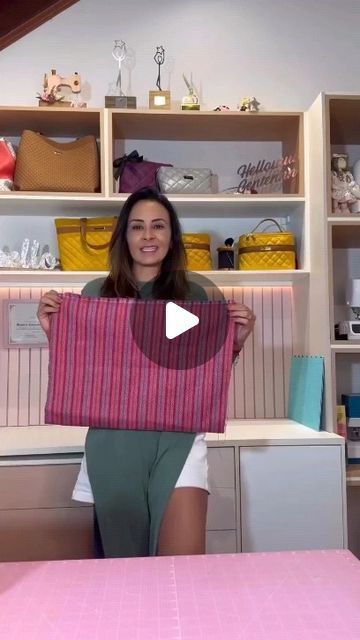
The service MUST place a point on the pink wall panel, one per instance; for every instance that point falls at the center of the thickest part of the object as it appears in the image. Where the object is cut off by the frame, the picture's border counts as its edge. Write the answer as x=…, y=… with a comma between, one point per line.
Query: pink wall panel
x=259, y=380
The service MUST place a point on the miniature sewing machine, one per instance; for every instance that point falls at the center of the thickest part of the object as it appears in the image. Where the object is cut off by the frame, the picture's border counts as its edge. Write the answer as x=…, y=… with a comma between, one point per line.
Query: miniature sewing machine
x=56, y=81
x=61, y=90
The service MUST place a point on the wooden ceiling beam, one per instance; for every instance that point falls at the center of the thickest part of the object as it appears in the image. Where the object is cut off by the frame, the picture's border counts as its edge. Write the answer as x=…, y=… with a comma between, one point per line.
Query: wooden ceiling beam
x=18, y=18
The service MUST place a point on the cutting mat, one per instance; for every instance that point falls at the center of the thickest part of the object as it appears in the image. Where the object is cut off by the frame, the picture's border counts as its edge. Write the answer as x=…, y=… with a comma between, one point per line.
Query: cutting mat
x=259, y=596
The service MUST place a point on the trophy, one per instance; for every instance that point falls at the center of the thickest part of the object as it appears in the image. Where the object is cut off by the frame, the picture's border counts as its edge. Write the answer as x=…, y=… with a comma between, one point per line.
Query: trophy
x=115, y=97
x=191, y=101
x=159, y=99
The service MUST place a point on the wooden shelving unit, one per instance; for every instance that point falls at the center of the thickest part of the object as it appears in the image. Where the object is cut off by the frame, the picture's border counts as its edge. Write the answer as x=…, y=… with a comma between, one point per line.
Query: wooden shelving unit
x=261, y=444
x=334, y=127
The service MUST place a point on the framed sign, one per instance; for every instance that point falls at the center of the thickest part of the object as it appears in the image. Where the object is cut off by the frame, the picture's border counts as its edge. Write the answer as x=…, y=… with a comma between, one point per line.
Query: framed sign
x=21, y=326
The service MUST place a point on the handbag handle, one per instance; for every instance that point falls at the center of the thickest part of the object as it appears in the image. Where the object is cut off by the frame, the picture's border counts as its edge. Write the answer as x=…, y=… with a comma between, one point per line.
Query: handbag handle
x=267, y=220
x=119, y=163
x=83, y=229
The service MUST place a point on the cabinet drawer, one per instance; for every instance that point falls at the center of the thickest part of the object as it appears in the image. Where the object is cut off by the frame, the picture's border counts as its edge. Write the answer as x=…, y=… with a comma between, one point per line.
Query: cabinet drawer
x=37, y=486
x=221, y=542
x=221, y=509
x=221, y=467
x=46, y=534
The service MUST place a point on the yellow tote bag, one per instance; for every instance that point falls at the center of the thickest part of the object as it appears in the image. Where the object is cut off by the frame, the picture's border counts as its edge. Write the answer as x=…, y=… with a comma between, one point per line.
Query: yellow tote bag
x=84, y=243
x=197, y=247
x=267, y=251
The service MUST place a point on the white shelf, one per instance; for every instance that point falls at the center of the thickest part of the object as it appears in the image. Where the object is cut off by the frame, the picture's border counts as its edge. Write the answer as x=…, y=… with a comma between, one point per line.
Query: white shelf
x=346, y=347
x=26, y=278
x=352, y=219
x=226, y=205
x=280, y=199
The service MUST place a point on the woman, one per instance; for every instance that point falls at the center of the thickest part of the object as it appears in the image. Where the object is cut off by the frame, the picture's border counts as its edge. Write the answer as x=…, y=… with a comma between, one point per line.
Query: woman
x=149, y=488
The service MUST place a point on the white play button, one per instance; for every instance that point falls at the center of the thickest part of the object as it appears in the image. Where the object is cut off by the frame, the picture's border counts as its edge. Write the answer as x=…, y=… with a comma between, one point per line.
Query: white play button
x=178, y=320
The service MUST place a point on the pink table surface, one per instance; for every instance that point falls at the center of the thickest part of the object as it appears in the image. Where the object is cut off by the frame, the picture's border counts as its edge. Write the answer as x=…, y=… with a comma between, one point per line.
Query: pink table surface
x=274, y=596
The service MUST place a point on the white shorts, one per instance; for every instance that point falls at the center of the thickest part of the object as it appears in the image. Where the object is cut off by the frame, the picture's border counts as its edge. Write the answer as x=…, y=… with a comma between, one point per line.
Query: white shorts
x=193, y=474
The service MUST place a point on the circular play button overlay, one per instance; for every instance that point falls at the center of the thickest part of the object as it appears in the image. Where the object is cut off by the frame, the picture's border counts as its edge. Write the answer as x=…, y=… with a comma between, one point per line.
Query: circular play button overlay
x=181, y=334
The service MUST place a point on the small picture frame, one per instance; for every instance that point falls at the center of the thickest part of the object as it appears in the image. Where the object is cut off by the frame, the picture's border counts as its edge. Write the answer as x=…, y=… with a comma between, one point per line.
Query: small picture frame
x=21, y=327
x=159, y=100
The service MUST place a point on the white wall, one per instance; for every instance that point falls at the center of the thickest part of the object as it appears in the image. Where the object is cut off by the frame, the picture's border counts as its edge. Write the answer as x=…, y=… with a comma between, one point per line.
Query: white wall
x=282, y=51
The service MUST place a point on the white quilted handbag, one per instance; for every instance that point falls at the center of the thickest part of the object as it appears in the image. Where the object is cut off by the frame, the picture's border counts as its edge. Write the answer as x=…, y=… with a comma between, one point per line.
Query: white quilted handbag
x=177, y=180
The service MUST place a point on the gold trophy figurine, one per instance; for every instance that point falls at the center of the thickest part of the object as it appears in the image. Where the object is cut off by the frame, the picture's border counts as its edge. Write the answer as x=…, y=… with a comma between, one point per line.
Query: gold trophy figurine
x=191, y=101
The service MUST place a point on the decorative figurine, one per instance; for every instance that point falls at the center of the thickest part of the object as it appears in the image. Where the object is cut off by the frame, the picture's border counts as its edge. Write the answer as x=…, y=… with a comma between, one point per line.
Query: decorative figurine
x=159, y=99
x=222, y=107
x=249, y=104
x=344, y=190
x=191, y=101
x=226, y=255
x=29, y=257
x=356, y=173
x=116, y=98
x=54, y=94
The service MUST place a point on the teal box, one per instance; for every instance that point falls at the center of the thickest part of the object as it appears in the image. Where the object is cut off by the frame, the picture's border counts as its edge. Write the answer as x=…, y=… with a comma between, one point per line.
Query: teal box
x=352, y=404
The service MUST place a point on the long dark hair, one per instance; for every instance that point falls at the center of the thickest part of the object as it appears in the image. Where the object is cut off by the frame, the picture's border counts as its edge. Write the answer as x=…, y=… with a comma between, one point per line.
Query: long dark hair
x=172, y=282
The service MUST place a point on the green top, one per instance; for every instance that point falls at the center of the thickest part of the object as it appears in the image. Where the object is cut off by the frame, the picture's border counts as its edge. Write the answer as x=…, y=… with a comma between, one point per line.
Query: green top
x=92, y=290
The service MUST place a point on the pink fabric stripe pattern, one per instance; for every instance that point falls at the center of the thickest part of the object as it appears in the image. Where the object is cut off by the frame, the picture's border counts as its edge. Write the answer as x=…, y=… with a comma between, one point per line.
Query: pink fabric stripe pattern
x=101, y=376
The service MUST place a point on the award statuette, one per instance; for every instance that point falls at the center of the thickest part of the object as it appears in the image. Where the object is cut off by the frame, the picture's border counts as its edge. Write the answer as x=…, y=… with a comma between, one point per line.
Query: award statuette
x=159, y=99
x=116, y=98
x=191, y=101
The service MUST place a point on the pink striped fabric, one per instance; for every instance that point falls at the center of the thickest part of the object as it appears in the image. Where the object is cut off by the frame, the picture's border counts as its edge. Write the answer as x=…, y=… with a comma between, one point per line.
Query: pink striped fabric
x=99, y=377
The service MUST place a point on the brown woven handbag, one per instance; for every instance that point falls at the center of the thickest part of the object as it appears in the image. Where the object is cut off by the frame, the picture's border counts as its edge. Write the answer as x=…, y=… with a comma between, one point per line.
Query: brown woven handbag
x=43, y=164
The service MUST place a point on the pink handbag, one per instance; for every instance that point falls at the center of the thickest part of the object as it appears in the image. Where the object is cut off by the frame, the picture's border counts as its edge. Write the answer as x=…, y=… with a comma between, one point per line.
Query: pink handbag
x=7, y=165
x=99, y=377
x=136, y=173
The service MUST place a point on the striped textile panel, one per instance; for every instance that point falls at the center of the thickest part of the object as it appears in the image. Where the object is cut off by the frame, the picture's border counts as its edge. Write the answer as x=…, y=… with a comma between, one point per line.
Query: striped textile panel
x=99, y=377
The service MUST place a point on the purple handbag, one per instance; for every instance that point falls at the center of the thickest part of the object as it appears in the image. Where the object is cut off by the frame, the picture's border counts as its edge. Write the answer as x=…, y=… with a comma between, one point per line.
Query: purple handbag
x=135, y=173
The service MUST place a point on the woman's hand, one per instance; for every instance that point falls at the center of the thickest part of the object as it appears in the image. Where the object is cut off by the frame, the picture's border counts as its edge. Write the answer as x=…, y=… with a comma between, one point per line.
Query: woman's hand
x=49, y=303
x=244, y=323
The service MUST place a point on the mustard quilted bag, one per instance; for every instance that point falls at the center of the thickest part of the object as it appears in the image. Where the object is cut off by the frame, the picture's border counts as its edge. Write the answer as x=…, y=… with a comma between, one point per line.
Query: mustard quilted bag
x=84, y=243
x=267, y=250
x=197, y=247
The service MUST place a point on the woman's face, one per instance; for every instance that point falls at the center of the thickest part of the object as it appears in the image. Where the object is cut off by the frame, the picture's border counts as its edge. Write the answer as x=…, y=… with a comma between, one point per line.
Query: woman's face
x=148, y=233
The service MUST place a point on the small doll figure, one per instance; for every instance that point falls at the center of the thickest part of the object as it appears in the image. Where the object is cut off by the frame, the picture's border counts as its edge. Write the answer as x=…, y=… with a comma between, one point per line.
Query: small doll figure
x=249, y=104
x=344, y=190
x=254, y=104
x=245, y=104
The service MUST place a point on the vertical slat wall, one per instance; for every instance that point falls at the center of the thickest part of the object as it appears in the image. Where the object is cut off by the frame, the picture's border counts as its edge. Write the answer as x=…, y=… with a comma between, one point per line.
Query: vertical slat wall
x=259, y=380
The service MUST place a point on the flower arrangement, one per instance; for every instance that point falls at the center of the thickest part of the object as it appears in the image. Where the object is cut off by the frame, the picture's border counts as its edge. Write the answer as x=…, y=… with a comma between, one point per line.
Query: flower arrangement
x=51, y=96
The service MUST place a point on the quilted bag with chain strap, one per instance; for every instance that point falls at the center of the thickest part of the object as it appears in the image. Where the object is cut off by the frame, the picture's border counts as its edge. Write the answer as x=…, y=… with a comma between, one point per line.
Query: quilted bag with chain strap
x=177, y=180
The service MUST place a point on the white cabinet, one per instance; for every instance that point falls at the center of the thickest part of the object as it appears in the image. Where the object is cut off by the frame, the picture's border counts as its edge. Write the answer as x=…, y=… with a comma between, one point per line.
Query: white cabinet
x=291, y=497
x=221, y=523
x=274, y=486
